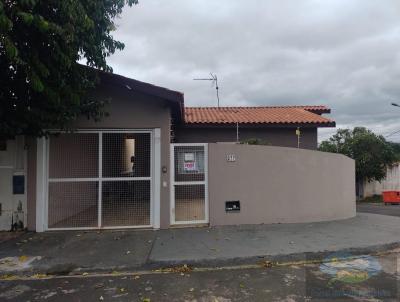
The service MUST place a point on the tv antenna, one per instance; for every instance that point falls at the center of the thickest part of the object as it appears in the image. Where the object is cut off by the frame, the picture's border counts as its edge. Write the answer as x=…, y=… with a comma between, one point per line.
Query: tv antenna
x=214, y=81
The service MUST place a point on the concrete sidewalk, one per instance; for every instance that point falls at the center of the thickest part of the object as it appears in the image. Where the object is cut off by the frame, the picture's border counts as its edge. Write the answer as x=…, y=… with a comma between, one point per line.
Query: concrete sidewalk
x=107, y=251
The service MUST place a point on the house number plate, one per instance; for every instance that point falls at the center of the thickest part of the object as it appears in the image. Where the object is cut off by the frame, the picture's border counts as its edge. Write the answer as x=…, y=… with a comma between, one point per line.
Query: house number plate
x=231, y=157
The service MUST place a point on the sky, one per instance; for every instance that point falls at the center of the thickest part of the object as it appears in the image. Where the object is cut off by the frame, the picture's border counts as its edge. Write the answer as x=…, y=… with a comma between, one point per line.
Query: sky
x=341, y=53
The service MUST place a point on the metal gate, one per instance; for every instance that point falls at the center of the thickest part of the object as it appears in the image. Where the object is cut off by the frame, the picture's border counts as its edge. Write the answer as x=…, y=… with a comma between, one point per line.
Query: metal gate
x=100, y=179
x=189, y=183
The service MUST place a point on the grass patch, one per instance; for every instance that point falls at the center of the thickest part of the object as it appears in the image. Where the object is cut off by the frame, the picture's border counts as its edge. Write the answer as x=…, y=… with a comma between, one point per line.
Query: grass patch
x=372, y=199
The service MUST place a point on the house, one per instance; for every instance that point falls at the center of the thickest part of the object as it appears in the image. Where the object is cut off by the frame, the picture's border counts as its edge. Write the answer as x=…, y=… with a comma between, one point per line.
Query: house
x=154, y=163
x=274, y=125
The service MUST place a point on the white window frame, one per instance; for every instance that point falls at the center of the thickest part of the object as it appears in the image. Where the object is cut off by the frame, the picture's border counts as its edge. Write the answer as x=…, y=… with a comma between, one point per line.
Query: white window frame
x=43, y=180
x=177, y=183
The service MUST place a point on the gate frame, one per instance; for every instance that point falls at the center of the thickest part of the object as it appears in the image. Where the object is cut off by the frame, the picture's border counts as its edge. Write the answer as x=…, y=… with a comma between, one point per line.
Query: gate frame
x=42, y=180
x=173, y=183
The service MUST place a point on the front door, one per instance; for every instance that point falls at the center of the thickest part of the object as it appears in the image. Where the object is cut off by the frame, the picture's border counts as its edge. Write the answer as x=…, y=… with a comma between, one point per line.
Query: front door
x=189, y=183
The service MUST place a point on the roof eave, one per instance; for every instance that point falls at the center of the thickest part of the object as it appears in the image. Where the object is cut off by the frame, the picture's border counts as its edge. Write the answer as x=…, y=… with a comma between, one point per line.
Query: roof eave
x=174, y=98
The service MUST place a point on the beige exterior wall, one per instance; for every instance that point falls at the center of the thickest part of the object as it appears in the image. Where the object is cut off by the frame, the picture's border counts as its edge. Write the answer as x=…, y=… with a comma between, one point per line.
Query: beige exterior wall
x=284, y=137
x=279, y=185
x=128, y=110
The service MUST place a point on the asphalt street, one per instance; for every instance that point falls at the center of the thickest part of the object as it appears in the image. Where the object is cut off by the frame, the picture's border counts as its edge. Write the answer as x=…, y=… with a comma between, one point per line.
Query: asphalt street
x=361, y=278
x=379, y=208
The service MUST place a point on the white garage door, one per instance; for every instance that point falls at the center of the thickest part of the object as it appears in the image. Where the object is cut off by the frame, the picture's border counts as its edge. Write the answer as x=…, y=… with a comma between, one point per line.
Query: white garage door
x=100, y=180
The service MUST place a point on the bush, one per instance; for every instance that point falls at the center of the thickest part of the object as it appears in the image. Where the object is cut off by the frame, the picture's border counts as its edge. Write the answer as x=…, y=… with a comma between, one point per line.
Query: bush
x=254, y=141
x=373, y=199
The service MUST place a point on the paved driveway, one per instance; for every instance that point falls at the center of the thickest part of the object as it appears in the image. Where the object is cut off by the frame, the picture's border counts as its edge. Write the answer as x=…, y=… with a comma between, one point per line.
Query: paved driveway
x=379, y=208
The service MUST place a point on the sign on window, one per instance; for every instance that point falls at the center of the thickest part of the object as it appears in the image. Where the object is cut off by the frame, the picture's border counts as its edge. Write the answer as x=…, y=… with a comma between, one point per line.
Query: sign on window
x=191, y=162
x=189, y=166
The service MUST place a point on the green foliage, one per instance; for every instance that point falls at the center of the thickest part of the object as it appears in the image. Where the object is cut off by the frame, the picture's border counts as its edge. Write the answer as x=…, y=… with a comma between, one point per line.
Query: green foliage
x=372, y=199
x=371, y=152
x=41, y=41
x=396, y=149
x=254, y=141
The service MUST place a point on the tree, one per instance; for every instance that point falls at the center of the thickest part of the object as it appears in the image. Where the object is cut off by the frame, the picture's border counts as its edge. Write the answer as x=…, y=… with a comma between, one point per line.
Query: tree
x=396, y=149
x=42, y=86
x=371, y=152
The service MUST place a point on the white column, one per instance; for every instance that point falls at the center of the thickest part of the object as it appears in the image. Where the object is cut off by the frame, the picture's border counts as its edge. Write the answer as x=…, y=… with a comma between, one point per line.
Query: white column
x=41, y=184
x=157, y=178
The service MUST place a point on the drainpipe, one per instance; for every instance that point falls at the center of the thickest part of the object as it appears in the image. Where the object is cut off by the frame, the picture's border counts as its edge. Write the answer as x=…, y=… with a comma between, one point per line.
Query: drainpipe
x=237, y=132
x=298, y=133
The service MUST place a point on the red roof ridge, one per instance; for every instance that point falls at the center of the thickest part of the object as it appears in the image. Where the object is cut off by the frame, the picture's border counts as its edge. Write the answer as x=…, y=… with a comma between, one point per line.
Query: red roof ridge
x=289, y=115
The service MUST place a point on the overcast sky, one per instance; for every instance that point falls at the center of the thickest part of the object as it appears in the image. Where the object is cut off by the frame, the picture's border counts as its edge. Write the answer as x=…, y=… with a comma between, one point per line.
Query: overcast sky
x=340, y=53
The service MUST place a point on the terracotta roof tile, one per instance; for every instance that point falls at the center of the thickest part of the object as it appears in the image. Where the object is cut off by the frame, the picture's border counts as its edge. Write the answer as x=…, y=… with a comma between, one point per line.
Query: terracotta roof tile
x=258, y=115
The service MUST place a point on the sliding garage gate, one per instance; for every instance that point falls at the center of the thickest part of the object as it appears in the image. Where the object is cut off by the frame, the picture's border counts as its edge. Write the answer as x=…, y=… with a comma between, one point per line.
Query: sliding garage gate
x=99, y=180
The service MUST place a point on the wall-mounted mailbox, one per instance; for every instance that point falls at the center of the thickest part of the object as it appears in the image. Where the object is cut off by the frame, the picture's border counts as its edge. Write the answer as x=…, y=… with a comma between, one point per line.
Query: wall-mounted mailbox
x=232, y=206
x=18, y=184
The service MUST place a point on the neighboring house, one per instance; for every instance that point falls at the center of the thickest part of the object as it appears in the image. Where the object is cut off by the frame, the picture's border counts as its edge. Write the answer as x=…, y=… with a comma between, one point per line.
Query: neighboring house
x=153, y=163
x=274, y=125
x=390, y=183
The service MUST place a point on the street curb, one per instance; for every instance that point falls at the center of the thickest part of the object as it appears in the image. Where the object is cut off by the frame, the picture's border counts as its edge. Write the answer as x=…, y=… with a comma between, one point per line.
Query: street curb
x=281, y=258
x=278, y=260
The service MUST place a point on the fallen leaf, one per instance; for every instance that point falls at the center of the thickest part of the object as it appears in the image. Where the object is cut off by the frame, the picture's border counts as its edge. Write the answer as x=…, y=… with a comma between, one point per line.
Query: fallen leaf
x=85, y=274
x=192, y=289
x=99, y=285
x=8, y=277
x=175, y=269
x=22, y=258
x=146, y=300
x=39, y=276
x=266, y=263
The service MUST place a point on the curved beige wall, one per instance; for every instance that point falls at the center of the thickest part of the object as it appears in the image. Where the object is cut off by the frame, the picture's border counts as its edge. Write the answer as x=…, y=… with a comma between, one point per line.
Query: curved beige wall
x=279, y=185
